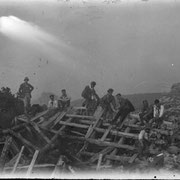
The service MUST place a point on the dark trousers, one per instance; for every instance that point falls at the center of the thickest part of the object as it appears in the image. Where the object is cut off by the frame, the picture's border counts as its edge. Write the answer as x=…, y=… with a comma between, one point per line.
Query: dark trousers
x=122, y=113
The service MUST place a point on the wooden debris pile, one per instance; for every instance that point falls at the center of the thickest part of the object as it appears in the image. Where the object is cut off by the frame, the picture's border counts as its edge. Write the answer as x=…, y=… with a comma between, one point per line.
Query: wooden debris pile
x=70, y=141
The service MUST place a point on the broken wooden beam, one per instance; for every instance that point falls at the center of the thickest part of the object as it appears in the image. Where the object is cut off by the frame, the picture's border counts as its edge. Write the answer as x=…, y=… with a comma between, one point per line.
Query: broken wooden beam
x=80, y=116
x=24, y=141
x=100, y=143
x=32, y=163
x=4, y=152
x=18, y=159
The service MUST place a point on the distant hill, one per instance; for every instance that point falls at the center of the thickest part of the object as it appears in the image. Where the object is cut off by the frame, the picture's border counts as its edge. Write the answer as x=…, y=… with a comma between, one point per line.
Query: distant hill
x=136, y=99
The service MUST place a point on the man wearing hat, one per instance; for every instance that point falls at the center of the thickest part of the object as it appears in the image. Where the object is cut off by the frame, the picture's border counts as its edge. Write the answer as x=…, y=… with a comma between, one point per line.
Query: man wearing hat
x=107, y=102
x=91, y=98
x=25, y=90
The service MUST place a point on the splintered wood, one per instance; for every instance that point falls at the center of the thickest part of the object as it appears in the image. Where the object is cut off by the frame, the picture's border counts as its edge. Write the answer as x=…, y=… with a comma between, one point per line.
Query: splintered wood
x=92, y=141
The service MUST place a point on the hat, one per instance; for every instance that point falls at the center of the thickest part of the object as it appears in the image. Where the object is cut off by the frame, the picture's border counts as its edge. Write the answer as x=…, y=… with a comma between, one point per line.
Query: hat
x=110, y=90
x=51, y=95
x=93, y=83
x=26, y=79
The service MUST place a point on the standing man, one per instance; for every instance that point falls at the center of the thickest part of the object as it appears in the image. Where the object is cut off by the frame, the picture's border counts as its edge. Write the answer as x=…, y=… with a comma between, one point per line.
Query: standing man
x=125, y=107
x=144, y=111
x=158, y=111
x=91, y=98
x=25, y=90
x=64, y=100
x=108, y=104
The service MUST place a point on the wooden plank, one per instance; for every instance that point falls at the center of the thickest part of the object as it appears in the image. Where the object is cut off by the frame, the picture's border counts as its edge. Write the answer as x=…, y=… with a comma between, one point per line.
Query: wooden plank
x=51, y=119
x=80, y=116
x=103, y=152
x=100, y=143
x=47, y=146
x=118, y=133
x=121, y=141
x=4, y=152
x=27, y=166
x=97, y=116
x=99, y=162
x=14, y=147
x=32, y=163
x=24, y=141
x=118, y=158
x=106, y=133
x=39, y=115
x=18, y=159
x=40, y=132
x=59, y=163
x=131, y=160
x=74, y=125
x=59, y=119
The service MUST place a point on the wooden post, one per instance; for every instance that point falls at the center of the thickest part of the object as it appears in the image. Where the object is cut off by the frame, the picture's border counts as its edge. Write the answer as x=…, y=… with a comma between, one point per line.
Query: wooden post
x=18, y=159
x=4, y=152
x=106, y=133
x=99, y=162
x=32, y=163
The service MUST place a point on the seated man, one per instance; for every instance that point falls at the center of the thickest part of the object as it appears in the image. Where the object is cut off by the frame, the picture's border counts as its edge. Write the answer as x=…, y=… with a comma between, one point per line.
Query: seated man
x=64, y=100
x=52, y=108
x=124, y=109
x=144, y=142
x=107, y=102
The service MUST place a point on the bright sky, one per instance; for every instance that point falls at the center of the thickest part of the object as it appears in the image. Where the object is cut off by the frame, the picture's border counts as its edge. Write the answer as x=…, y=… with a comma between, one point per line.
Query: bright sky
x=131, y=46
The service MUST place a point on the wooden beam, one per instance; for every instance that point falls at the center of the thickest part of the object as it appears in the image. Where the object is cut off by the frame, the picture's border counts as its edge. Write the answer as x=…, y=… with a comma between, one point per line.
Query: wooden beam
x=24, y=141
x=106, y=133
x=97, y=116
x=103, y=152
x=121, y=141
x=18, y=159
x=47, y=146
x=32, y=163
x=118, y=158
x=99, y=162
x=59, y=163
x=80, y=116
x=59, y=119
x=100, y=143
x=39, y=115
x=131, y=160
x=74, y=125
x=36, y=127
x=4, y=152
x=51, y=119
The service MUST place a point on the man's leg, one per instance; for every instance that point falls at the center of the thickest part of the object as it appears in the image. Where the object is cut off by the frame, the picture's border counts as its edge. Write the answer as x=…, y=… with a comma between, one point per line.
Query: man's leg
x=117, y=116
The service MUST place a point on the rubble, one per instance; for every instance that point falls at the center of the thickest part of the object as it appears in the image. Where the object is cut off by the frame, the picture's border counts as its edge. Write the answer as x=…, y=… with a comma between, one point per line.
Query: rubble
x=70, y=141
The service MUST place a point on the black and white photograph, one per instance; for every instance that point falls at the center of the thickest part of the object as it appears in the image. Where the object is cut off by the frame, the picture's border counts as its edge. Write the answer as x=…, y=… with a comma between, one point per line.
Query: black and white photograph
x=90, y=89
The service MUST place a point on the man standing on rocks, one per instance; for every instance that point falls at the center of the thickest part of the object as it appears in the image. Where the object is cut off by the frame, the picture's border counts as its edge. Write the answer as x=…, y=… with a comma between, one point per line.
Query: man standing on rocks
x=25, y=90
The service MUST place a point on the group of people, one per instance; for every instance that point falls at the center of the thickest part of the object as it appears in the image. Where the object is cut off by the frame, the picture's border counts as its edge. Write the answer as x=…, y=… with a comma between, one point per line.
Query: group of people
x=150, y=117
x=26, y=89
x=116, y=108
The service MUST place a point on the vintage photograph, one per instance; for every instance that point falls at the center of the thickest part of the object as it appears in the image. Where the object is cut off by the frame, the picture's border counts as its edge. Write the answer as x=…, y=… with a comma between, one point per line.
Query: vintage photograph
x=90, y=89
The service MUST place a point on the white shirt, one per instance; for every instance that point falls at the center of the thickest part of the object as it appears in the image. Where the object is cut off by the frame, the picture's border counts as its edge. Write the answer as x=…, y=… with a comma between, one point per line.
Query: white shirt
x=65, y=98
x=52, y=104
x=158, y=111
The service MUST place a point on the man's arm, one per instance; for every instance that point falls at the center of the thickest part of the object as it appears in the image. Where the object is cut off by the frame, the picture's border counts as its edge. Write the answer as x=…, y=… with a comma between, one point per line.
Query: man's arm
x=31, y=87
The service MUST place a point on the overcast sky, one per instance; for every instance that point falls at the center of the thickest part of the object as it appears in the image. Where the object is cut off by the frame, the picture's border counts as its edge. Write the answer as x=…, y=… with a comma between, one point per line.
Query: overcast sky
x=132, y=46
